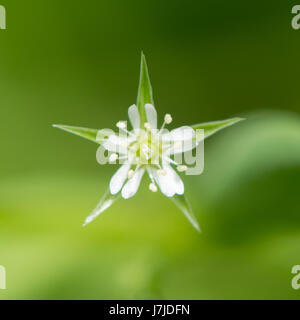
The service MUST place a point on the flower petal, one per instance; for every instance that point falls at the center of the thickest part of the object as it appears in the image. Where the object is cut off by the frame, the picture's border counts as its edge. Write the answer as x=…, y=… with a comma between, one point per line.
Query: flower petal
x=132, y=185
x=182, y=146
x=165, y=185
x=169, y=184
x=151, y=115
x=178, y=184
x=117, y=144
x=134, y=116
x=179, y=140
x=118, y=179
x=176, y=180
x=180, y=134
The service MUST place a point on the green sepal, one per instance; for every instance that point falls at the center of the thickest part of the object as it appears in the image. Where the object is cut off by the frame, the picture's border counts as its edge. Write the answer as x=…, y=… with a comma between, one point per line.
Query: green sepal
x=213, y=127
x=145, y=94
x=107, y=200
x=182, y=203
x=94, y=135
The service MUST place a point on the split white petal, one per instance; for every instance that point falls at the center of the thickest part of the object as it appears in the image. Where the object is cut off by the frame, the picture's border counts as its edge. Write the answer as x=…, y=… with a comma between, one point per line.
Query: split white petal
x=169, y=184
x=117, y=144
x=180, y=134
x=164, y=183
x=180, y=140
x=132, y=185
x=176, y=180
x=181, y=147
x=151, y=115
x=118, y=179
x=134, y=116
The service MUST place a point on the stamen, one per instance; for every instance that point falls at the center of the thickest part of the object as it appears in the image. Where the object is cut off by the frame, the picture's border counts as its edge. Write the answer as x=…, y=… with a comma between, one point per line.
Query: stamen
x=121, y=124
x=147, y=125
x=113, y=157
x=182, y=168
x=153, y=187
x=168, y=118
x=130, y=174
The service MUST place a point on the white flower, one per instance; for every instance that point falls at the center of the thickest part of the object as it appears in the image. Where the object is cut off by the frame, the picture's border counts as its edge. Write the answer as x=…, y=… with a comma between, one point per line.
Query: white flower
x=148, y=150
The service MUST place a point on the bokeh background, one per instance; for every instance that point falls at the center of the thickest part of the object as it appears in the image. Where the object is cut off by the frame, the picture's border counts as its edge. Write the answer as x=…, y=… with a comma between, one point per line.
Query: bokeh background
x=77, y=62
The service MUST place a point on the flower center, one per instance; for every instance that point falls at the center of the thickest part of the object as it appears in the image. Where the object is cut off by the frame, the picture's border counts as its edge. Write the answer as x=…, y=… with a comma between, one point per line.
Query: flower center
x=147, y=149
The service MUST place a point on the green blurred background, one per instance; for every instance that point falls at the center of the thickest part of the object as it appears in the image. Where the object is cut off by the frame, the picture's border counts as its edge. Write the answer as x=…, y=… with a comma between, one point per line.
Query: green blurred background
x=77, y=62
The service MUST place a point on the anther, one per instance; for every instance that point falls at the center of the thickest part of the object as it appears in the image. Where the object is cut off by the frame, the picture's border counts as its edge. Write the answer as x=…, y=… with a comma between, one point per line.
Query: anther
x=181, y=168
x=121, y=124
x=168, y=118
x=152, y=187
x=113, y=157
x=147, y=125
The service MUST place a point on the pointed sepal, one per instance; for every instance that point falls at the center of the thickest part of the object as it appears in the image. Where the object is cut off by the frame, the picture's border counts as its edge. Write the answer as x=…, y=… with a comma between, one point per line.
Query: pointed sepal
x=145, y=94
x=182, y=203
x=213, y=127
x=94, y=135
x=107, y=200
